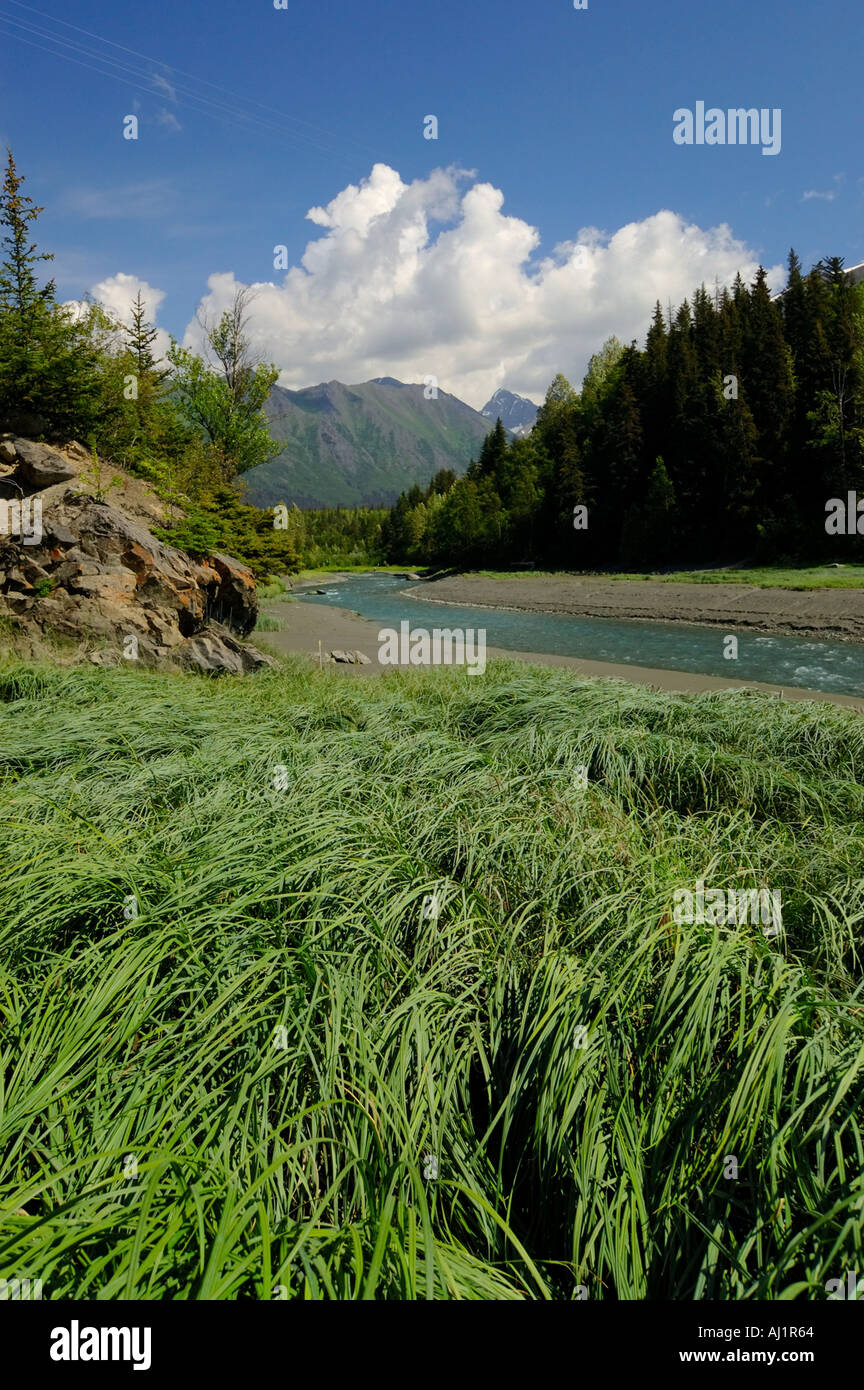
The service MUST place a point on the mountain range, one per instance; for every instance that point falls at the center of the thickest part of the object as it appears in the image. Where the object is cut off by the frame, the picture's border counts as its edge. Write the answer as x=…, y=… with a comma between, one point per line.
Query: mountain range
x=362, y=445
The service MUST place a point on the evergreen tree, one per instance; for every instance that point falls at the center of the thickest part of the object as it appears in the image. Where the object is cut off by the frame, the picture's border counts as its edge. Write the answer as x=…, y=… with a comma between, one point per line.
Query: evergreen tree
x=654, y=400
x=570, y=490
x=618, y=458
x=141, y=335
x=225, y=522
x=649, y=532
x=492, y=452
x=48, y=363
x=395, y=532
x=21, y=297
x=767, y=380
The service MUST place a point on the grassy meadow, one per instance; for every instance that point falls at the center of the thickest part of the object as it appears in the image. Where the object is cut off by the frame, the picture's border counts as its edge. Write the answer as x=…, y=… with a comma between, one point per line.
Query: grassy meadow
x=245, y=1057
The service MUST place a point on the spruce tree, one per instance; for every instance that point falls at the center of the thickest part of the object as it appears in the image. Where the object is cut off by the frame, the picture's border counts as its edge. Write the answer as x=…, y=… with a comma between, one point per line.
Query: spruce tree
x=649, y=531
x=767, y=382
x=492, y=452
x=569, y=490
x=654, y=391
x=24, y=305
x=141, y=335
x=47, y=361
x=20, y=294
x=681, y=442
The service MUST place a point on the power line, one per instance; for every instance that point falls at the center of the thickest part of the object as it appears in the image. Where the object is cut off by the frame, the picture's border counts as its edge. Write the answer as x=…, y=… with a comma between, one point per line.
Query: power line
x=114, y=67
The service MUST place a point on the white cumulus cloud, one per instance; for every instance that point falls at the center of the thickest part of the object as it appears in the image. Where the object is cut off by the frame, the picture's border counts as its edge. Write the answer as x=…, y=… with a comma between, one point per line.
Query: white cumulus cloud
x=433, y=278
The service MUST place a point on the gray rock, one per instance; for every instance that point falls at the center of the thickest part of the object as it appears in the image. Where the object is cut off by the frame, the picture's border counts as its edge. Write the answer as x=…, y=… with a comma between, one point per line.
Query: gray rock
x=234, y=601
x=19, y=604
x=215, y=652
x=16, y=579
x=60, y=534
x=39, y=466
x=113, y=587
x=362, y=659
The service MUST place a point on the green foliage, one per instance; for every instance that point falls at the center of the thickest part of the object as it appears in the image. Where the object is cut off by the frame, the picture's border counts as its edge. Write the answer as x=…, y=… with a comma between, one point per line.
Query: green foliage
x=140, y=426
x=801, y=578
x=601, y=370
x=233, y=427
x=188, y=428
x=280, y=1037
x=96, y=477
x=220, y=521
x=649, y=532
x=225, y=405
x=337, y=536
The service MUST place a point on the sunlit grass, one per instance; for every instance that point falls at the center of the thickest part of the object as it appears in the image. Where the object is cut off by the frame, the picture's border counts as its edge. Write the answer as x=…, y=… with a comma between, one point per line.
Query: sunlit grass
x=281, y=1036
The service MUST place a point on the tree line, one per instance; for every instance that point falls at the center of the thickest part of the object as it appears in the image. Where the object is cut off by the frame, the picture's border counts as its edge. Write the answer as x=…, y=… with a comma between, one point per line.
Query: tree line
x=722, y=439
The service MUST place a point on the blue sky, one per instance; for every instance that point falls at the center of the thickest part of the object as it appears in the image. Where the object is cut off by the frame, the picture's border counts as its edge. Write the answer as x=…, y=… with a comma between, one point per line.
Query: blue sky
x=568, y=114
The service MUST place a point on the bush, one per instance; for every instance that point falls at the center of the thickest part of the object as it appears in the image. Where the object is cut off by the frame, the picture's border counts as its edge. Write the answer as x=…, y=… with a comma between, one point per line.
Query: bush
x=222, y=522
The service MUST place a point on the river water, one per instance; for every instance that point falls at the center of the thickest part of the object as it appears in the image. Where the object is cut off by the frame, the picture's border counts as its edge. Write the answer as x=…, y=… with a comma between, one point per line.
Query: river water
x=833, y=667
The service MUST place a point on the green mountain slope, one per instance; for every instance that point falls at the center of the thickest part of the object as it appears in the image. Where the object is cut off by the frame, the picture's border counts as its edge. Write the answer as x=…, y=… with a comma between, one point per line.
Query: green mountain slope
x=355, y=445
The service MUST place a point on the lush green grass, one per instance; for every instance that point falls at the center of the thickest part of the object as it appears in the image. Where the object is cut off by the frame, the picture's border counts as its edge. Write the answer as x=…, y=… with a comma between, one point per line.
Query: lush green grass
x=812, y=577
x=281, y=1036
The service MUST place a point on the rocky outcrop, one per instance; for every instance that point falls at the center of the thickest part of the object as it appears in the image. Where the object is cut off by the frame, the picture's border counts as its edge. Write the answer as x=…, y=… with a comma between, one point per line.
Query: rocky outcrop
x=234, y=601
x=77, y=567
